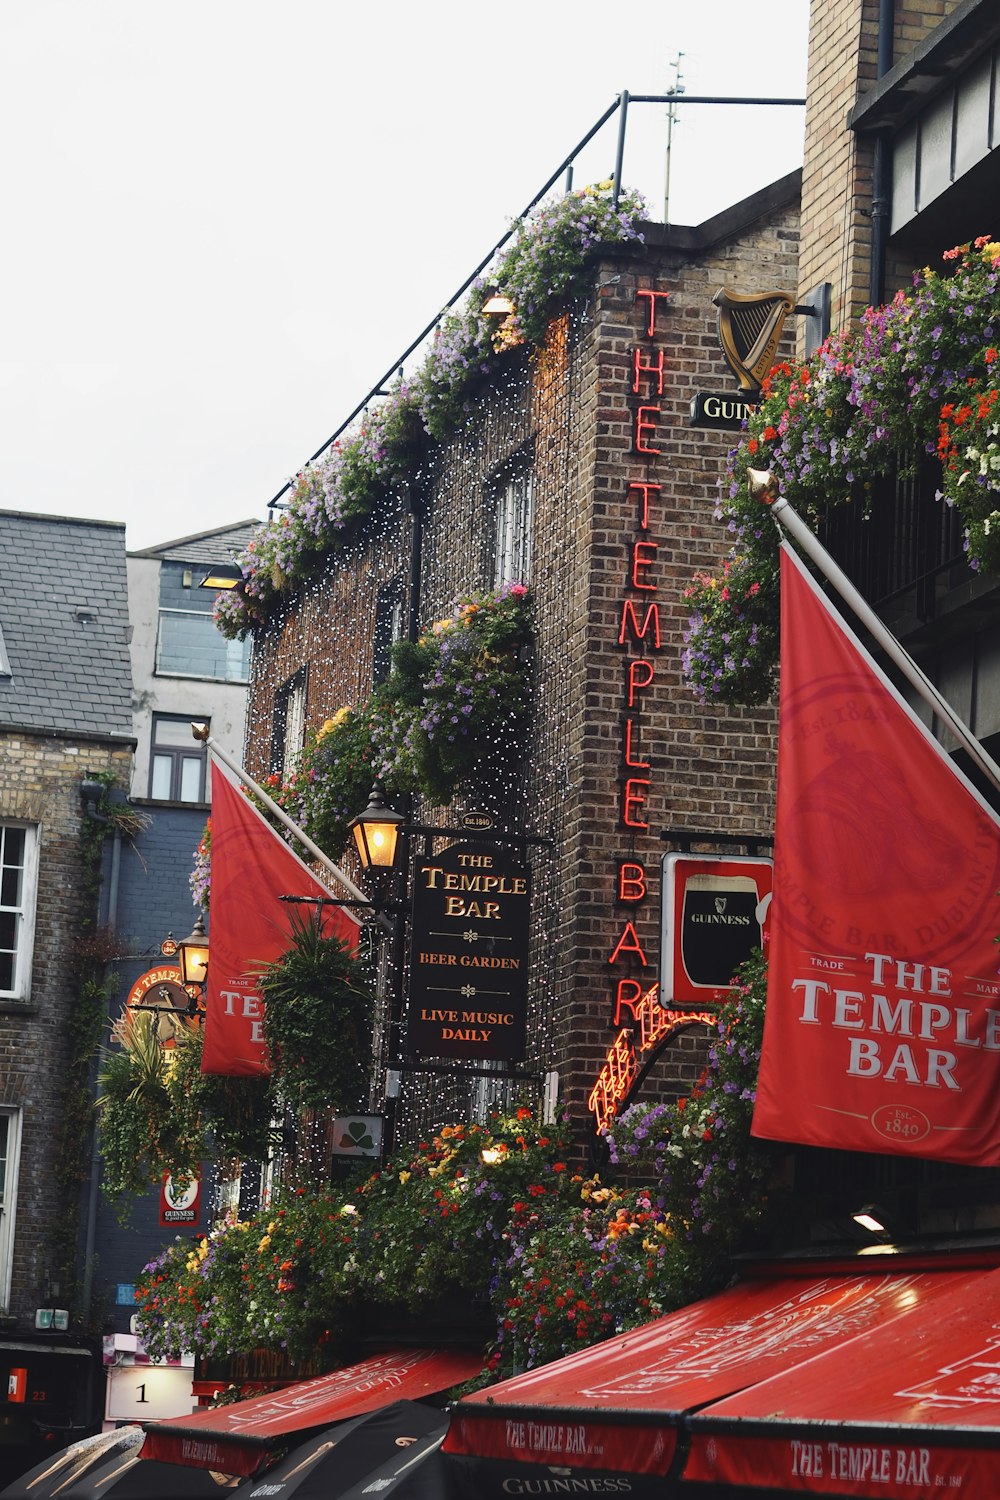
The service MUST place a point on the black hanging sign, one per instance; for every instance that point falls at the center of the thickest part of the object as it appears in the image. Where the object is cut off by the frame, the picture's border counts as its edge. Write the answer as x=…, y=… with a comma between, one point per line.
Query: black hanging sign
x=469, y=955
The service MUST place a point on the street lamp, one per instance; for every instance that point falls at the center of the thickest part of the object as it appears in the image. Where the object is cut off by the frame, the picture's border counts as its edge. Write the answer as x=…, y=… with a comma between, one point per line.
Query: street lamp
x=376, y=832
x=192, y=954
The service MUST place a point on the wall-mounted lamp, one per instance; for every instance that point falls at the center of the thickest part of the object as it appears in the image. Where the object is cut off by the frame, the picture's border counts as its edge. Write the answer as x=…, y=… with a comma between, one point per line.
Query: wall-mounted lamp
x=872, y=1218
x=192, y=955
x=376, y=832
x=496, y=304
x=222, y=578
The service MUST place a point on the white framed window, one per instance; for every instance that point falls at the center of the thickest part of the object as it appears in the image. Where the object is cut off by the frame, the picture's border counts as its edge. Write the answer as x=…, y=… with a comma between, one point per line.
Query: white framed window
x=190, y=644
x=515, y=504
x=177, y=762
x=10, y=1154
x=18, y=886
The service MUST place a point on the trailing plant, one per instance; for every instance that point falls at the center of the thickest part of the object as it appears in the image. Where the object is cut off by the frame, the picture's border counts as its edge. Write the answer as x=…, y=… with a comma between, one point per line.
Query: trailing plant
x=463, y=687
x=200, y=879
x=332, y=777
x=709, y=1171
x=147, y=1124
x=547, y=263
x=318, y=1018
x=158, y=1113
x=917, y=378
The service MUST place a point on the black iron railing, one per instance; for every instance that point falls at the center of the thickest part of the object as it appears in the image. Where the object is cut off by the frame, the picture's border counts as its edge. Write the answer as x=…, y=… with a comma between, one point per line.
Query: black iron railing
x=619, y=106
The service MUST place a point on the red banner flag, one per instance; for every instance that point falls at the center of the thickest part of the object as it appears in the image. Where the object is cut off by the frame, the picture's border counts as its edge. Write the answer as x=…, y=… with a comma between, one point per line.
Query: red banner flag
x=249, y=925
x=882, y=1030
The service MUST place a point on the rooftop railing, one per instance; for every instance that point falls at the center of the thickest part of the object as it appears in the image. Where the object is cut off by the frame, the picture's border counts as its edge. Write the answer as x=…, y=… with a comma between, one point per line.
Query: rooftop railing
x=619, y=107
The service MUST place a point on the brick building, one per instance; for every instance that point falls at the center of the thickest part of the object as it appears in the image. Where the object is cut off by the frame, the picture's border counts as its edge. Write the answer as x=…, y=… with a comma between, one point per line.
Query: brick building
x=65, y=737
x=579, y=472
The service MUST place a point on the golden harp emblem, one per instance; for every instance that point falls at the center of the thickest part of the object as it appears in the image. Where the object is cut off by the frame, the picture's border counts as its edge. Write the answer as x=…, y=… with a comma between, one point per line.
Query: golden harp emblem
x=749, y=332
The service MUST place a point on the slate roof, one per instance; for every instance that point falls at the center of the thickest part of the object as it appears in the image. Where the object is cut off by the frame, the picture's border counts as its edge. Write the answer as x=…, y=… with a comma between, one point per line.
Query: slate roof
x=64, y=619
x=217, y=546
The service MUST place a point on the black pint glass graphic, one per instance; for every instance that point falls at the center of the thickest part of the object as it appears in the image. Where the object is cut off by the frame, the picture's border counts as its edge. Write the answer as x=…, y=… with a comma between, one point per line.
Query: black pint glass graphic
x=719, y=926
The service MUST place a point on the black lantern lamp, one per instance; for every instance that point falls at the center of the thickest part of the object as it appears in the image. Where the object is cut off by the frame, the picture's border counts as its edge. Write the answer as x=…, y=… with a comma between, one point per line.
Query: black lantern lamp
x=192, y=954
x=376, y=832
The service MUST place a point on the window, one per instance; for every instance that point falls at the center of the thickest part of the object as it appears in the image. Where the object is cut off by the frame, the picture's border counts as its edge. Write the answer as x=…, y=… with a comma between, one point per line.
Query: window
x=10, y=1150
x=514, y=514
x=189, y=644
x=4, y=658
x=289, y=722
x=177, y=762
x=18, y=880
x=388, y=628
x=188, y=641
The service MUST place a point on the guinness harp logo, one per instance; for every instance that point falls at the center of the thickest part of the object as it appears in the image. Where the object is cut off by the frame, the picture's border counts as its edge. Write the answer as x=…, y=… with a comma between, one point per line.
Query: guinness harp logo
x=749, y=331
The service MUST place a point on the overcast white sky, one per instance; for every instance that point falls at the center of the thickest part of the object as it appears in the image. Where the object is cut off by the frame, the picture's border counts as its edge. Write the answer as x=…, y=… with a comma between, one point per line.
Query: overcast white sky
x=225, y=219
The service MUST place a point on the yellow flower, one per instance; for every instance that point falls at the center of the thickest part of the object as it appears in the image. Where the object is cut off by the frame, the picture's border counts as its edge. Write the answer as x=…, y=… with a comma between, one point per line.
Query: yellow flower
x=330, y=724
x=404, y=1177
x=263, y=1244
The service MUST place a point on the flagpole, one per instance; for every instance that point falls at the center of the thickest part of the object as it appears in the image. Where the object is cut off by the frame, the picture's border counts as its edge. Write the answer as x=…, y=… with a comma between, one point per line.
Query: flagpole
x=200, y=732
x=789, y=519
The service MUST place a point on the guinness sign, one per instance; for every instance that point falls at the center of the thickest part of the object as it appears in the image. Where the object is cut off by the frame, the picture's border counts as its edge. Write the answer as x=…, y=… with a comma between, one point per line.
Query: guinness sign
x=727, y=413
x=714, y=911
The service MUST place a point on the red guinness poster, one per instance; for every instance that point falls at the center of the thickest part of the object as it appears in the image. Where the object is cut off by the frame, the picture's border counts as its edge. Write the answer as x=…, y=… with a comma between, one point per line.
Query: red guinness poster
x=882, y=1030
x=249, y=926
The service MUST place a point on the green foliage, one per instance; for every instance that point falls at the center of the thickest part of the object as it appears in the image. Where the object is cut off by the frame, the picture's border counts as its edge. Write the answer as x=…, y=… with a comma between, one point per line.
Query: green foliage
x=318, y=1018
x=566, y=1261
x=333, y=774
x=146, y=1123
x=463, y=686
x=708, y=1169
x=605, y=1261
x=157, y=1112
x=451, y=716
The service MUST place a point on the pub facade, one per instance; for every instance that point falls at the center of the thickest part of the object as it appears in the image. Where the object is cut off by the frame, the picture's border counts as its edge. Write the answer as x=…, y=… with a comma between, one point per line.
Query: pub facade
x=576, y=474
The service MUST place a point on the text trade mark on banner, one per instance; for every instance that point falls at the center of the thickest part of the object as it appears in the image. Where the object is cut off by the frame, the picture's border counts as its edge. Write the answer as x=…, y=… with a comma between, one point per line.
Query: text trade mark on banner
x=469, y=955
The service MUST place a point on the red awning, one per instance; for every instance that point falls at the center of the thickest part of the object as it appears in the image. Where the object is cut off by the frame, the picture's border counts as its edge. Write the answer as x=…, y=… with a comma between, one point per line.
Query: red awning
x=620, y=1407
x=235, y=1439
x=909, y=1409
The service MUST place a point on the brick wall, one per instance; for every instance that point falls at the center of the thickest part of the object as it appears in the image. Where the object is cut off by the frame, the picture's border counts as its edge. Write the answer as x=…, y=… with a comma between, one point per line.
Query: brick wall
x=570, y=413
x=40, y=784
